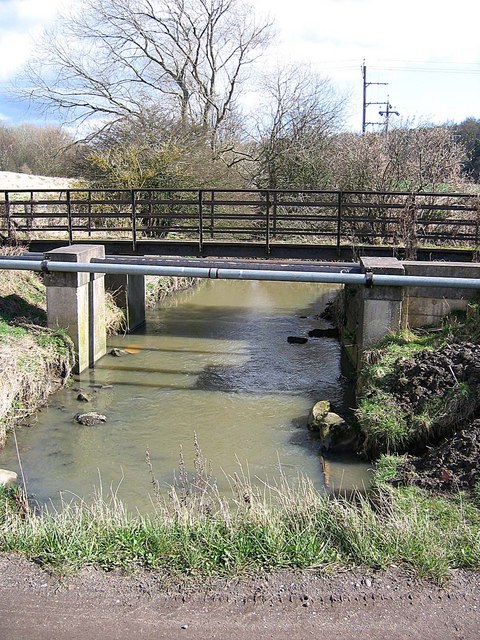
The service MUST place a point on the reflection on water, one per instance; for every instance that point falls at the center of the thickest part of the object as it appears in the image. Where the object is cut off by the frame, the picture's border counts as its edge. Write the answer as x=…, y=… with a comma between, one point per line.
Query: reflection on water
x=214, y=362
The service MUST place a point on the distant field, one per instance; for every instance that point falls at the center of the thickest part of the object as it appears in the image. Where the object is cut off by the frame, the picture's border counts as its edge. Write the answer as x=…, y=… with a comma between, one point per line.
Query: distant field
x=11, y=180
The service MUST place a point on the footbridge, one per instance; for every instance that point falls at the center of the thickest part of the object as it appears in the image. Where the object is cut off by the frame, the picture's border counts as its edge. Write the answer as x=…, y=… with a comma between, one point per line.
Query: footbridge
x=382, y=294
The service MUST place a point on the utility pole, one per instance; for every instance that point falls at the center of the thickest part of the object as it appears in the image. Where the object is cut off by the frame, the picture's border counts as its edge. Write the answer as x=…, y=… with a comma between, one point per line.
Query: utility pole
x=387, y=113
x=365, y=103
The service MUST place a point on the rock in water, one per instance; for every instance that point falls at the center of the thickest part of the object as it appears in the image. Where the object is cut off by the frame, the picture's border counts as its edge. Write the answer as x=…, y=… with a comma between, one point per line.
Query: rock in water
x=318, y=413
x=118, y=353
x=324, y=333
x=7, y=477
x=336, y=434
x=296, y=340
x=83, y=398
x=90, y=419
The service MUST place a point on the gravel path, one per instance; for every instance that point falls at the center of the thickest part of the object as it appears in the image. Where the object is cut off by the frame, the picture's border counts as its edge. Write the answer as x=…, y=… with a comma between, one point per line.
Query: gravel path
x=292, y=605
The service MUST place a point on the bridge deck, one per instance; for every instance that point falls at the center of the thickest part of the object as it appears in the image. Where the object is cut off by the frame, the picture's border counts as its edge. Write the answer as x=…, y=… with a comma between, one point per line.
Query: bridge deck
x=251, y=250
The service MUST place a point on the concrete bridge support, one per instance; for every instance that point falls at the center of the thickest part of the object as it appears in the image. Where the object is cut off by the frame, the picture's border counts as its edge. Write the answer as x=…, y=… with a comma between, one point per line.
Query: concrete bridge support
x=371, y=313
x=76, y=302
x=129, y=294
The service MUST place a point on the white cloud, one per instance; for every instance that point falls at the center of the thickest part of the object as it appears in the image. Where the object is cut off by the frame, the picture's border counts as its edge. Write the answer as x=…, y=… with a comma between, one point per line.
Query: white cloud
x=21, y=24
x=334, y=36
x=428, y=52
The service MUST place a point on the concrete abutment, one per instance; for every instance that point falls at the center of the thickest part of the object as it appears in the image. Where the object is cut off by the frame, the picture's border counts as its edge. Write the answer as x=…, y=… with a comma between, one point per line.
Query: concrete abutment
x=371, y=313
x=76, y=302
x=129, y=294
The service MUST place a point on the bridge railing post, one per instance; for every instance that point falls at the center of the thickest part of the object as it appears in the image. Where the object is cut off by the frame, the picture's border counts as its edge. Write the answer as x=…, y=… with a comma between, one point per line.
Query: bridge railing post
x=134, y=219
x=200, y=221
x=274, y=211
x=267, y=230
x=339, y=220
x=8, y=215
x=89, y=213
x=212, y=213
x=69, y=216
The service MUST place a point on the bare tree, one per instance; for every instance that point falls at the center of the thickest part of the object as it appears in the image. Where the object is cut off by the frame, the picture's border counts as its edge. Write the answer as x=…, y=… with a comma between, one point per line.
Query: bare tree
x=114, y=58
x=303, y=111
x=408, y=158
x=33, y=149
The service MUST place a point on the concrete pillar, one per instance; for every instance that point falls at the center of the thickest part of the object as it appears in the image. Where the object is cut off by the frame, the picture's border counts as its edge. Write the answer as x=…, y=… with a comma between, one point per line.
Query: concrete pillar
x=76, y=302
x=129, y=294
x=428, y=306
x=380, y=311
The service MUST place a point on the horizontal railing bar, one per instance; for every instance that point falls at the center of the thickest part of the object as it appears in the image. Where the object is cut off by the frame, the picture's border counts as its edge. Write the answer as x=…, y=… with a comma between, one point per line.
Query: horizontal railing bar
x=207, y=190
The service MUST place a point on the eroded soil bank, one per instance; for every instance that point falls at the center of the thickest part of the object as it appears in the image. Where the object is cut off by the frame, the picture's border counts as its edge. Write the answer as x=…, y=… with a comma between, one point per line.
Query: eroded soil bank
x=443, y=386
x=292, y=605
x=426, y=404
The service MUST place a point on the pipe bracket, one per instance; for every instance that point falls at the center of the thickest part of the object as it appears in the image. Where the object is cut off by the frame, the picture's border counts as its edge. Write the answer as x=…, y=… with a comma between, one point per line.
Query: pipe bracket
x=44, y=266
x=369, y=279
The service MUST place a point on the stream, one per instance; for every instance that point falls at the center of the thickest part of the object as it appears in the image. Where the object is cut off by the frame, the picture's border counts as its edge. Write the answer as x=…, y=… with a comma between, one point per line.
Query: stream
x=211, y=363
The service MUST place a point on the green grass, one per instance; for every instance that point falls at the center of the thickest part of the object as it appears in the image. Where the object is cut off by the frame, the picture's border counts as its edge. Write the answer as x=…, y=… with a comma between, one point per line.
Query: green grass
x=8, y=331
x=286, y=528
x=383, y=423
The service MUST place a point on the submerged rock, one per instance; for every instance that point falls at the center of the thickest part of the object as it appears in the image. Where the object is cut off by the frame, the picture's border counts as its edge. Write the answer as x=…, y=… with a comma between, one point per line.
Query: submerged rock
x=7, y=478
x=90, y=419
x=332, y=332
x=336, y=434
x=83, y=398
x=118, y=353
x=296, y=340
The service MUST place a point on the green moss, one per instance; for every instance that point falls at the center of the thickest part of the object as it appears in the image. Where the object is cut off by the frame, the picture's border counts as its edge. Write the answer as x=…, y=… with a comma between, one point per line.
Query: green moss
x=57, y=340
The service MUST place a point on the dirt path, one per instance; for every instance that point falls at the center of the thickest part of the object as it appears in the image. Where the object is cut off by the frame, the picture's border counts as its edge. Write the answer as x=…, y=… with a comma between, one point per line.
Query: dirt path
x=286, y=605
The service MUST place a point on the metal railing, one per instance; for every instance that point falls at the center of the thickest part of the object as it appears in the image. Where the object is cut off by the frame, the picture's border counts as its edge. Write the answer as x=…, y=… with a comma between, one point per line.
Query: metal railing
x=334, y=218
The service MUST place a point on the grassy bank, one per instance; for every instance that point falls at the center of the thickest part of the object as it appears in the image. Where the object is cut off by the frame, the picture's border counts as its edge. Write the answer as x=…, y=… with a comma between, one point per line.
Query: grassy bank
x=198, y=534
x=158, y=288
x=34, y=361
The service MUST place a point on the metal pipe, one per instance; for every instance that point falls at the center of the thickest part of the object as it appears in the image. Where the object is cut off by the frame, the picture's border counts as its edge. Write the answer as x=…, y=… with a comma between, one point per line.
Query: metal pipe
x=241, y=274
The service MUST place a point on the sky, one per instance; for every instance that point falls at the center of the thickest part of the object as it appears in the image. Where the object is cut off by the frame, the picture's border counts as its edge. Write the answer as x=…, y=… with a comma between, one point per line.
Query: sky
x=428, y=51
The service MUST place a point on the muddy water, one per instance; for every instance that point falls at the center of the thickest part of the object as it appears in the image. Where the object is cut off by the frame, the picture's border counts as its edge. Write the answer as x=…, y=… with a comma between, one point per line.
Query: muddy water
x=214, y=362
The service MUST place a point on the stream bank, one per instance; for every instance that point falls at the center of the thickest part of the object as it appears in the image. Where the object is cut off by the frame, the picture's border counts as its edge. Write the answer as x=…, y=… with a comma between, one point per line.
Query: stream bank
x=419, y=397
x=34, y=361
